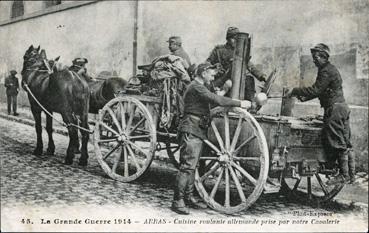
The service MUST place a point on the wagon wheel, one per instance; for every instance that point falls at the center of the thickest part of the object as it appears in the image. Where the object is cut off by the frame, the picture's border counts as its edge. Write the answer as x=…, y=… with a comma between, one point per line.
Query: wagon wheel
x=124, y=138
x=311, y=188
x=237, y=162
x=173, y=153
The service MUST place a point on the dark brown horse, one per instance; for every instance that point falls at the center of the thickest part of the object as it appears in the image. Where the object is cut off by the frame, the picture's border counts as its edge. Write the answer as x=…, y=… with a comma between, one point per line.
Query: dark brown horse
x=101, y=91
x=57, y=91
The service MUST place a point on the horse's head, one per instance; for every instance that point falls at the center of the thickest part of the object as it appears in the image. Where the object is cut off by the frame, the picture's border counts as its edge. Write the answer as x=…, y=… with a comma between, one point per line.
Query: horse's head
x=32, y=57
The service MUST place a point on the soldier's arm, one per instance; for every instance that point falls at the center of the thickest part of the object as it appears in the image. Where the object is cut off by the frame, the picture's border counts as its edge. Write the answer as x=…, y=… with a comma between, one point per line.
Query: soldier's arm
x=7, y=82
x=209, y=97
x=320, y=85
x=258, y=74
x=213, y=57
x=17, y=83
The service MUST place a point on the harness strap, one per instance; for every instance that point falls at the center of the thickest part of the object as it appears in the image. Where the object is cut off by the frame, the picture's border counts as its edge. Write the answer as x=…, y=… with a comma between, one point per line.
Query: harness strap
x=48, y=113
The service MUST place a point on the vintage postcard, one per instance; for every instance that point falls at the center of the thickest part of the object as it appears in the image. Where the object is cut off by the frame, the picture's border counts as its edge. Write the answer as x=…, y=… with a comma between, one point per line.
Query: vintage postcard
x=184, y=116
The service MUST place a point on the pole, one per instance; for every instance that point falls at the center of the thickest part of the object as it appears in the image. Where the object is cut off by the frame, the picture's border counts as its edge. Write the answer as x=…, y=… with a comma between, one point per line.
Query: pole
x=241, y=58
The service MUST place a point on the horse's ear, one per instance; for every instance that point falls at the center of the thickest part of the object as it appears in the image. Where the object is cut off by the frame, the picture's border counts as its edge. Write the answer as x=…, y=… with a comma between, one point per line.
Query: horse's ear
x=38, y=48
x=57, y=59
x=43, y=54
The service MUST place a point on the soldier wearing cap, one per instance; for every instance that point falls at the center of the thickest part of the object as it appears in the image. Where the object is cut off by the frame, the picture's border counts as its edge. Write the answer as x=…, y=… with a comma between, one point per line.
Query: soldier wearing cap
x=192, y=131
x=175, y=47
x=79, y=66
x=336, y=130
x=223, y=55
x=12, y=89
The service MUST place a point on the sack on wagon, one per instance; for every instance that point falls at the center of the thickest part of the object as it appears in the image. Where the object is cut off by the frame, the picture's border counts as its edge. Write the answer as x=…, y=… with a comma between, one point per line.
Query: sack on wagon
x=169, y=66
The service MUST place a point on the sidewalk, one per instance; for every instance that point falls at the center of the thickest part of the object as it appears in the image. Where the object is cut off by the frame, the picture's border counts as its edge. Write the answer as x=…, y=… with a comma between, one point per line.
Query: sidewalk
x=352, y=195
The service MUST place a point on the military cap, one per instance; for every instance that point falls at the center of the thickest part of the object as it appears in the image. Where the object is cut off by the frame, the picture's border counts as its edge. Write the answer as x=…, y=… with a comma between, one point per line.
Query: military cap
x=13, y=72
x=232, y=31
x=175, y=39
x=203, y=67
x=80, y=61
x=321, y=48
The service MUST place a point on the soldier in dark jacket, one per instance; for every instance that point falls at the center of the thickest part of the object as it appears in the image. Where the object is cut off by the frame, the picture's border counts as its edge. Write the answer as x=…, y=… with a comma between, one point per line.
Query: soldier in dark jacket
x=79, y=66
x=223, y=55
x=175, y=47
x=12, y=89
x=336, y=129
x=192, y=132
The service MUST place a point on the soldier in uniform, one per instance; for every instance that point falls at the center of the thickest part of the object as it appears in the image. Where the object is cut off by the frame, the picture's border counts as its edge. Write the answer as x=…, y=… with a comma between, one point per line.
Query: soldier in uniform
x=175, y=47
x=192, y=131
x=79, y=66
x=336, y=129
x=12, y=89
x=223, y=55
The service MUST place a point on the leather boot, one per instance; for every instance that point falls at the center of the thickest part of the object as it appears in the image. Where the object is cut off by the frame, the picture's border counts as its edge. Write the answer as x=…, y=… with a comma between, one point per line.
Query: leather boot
x=190, y=200
x=351, y=165
x=343, y=177
x=178, y=204
x=179, y=207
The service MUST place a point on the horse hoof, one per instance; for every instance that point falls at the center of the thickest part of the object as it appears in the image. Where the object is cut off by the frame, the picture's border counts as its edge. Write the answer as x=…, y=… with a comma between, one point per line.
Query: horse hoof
x=68, y=161
x=50, y=152
x=37, y=152
x=82, y=163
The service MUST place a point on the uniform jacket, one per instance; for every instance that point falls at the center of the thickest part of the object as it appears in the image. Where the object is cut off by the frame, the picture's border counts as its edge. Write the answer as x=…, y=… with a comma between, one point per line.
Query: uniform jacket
x=12, y=85
x=181, y=53
x=327, y=87
x=197, y=100
x=223, y=54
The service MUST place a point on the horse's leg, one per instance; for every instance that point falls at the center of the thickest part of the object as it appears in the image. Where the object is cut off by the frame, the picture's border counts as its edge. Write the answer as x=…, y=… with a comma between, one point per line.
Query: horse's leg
x=49, y=129
x=73, y=138
x=85, y=136
x=37, y=116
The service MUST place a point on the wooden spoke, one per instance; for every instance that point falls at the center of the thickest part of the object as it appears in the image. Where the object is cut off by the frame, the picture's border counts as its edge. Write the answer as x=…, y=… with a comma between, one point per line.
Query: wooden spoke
x=246, y=158
x=209, y=158
x=138, y=167
x=227, y=189
x=208, y=173
x=226, y=131
x=243, y=144
x=212, y=146
x=236, y=134
x=116, y=161
x=112, y=114
x=111, y=151
x=309, y=187
x=238, y=185
x=244, y=173
x=139, y=137
x=296, y=185
x=131, y=116
x=215, y=188
x=137, y=148
x=136, y=126
x=217, y=135
x=123, y=115
x=126, y=172
x=109, y=128
x=107, y=140
x=324, y=188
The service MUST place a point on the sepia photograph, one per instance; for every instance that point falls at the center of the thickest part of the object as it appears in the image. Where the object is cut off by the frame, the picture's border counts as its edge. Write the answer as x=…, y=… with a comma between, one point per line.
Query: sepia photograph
x=184, y=116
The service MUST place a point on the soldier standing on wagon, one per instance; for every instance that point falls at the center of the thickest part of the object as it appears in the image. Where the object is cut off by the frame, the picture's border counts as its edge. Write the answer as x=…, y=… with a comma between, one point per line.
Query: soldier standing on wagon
x=192, y=131
x=175, y=47
x=223, y=55
x=12, y=89
x=336, y=129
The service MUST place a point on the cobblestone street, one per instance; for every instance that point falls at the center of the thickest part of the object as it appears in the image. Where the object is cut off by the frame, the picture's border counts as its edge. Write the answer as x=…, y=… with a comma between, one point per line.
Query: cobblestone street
x=45, y=185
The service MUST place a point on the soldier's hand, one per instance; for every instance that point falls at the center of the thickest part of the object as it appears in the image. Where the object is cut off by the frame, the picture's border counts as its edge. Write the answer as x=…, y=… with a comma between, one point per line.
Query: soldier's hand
x=288, y=94
x=245, y=104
